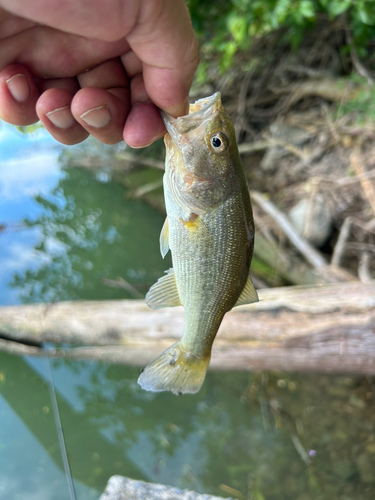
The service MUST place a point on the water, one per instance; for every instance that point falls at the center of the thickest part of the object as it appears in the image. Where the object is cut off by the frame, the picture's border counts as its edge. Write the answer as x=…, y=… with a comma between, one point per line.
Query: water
x=274, y=435
x=261, y=436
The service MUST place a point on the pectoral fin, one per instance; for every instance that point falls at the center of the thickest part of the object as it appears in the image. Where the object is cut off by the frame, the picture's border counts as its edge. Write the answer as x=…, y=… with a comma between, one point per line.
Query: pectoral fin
x=164, y=238
x=164, y=292
x=248, y=295
x=193, y=223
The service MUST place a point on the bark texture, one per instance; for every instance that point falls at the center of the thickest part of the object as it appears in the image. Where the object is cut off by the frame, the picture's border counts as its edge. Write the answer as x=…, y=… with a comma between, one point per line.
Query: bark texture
x=328, y=328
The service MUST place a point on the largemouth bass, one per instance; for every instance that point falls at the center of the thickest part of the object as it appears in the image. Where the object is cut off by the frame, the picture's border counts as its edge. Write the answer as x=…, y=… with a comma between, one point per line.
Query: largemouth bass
x=210, y=232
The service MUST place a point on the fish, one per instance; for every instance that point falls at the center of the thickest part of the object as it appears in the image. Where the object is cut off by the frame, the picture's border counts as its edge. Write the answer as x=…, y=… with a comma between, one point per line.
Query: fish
x=209, y=230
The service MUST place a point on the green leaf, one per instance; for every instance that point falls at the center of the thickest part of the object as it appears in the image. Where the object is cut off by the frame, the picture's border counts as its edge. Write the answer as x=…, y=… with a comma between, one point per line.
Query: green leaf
x=281, y=12
x=307, y=9
x=337, y=7
x=238, y=27
x=296, y=38
x=229, y=50
x=364, y=15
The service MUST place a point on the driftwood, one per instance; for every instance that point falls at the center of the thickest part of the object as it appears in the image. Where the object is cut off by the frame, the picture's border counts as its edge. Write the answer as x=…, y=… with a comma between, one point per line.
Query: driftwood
x=323, y=272
x=327, y=328
x=123, y=488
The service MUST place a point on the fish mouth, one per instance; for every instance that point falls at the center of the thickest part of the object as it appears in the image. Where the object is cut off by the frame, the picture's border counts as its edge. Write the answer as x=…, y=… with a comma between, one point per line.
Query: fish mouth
x=201, y=112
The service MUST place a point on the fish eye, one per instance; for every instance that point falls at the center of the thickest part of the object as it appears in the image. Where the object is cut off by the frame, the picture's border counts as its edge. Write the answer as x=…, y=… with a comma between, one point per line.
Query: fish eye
x=219, y=142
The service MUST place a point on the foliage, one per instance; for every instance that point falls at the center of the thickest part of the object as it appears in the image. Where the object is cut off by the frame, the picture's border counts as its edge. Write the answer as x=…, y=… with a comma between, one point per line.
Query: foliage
x=29, y=129
x=227, y=26
x=361, y=105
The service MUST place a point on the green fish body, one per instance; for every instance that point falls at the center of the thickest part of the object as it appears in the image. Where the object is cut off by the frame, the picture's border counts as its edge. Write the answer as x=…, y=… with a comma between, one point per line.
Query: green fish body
x=210, y=232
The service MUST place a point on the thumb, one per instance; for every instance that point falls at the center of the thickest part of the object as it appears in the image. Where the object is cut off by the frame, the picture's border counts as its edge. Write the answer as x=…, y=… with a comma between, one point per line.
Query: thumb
x=165, y=42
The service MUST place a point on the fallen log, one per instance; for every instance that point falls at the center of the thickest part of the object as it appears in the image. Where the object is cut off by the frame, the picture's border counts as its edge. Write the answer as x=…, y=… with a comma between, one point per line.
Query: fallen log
x=328, y=328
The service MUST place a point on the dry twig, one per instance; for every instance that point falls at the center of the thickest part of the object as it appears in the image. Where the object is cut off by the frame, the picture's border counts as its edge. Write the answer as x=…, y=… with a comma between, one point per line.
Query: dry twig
x=341, y=241
x=291, y=148
x=364, y=268
x=366, y=247
x=360, y=68
x=253, y=147
x=140, y=160
x=368, y=188
x=348, y=180
x=241, y=106
x=327, y=89
x=147, y=188
x=310, y=253
x=121, y=283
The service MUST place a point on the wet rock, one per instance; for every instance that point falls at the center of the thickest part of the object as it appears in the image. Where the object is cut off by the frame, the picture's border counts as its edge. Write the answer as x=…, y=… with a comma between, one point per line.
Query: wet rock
x=123, y=488
x=312, y=219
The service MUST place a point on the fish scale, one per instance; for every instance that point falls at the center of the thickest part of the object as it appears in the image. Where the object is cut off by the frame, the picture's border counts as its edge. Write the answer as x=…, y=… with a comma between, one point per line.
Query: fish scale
x=210, y=233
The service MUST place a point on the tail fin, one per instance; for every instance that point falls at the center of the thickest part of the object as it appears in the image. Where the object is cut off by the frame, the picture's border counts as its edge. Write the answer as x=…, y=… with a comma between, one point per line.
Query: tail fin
x=175, y=370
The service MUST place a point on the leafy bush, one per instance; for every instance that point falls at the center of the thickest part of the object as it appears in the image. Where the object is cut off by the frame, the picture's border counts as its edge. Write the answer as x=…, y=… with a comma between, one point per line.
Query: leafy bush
x=225, y=26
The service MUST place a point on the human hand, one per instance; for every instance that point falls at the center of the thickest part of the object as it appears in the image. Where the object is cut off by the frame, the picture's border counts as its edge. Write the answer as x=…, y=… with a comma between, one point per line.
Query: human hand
x=101, y=67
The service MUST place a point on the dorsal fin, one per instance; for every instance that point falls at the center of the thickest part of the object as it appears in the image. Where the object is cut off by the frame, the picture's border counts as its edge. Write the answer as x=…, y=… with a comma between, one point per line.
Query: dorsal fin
x=164, y=238
x=164, y=292
x=248, y=295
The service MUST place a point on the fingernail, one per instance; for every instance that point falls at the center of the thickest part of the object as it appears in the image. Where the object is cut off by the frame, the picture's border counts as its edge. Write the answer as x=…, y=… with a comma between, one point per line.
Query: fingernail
x=18, y=87
x=97, y=117
x=61, y=117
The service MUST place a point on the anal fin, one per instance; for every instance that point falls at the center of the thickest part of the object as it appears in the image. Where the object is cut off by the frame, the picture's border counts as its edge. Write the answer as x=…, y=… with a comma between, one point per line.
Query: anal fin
x=164, y=292
x=248, y=295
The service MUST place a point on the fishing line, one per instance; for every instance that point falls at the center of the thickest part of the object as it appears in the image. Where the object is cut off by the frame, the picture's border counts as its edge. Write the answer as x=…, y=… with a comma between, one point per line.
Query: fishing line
x=60, y=432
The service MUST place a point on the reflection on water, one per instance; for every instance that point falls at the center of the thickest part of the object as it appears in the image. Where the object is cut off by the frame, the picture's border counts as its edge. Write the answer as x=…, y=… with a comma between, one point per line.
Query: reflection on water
x=89, y=230
x=72, y=233
x=273, y=435
x=264, y=436
x=27, y=168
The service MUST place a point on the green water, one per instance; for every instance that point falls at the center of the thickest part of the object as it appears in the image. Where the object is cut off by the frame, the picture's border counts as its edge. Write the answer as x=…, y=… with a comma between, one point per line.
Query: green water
x=267, y=435
x=90, y=231
x=259, y=436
